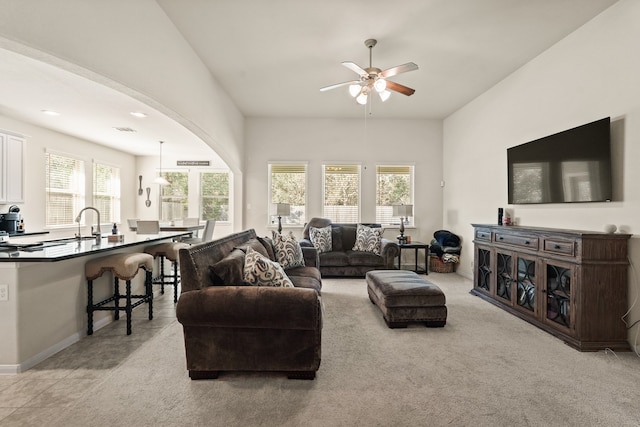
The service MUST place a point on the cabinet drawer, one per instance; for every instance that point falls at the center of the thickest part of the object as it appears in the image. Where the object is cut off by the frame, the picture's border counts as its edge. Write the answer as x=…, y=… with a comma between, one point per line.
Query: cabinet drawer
x=483, y=234
x=564, y=247
x=518, y=240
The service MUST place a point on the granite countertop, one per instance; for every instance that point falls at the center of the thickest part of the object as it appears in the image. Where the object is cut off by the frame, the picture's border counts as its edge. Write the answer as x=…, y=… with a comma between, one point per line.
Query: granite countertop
x=61, y=249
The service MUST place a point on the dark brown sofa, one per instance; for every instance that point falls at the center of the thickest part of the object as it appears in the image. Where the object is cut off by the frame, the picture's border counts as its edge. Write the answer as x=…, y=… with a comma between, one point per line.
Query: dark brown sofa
x=342, y=260
x=238, y=327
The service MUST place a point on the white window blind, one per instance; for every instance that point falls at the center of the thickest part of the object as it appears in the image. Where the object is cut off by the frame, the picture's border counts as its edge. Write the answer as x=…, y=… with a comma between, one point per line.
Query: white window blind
x=288, y=184
x=106, y=192
x=174, y=203
x=341, y=188
x=214, y=196
x=65, y=183
x=394, y=186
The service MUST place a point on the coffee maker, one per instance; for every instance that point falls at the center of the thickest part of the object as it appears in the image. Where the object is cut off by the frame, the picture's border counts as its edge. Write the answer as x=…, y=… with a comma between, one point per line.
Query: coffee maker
x=11, y=221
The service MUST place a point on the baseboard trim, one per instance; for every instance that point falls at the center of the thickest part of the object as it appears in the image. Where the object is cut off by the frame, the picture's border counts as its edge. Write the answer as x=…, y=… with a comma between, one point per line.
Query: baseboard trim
x=45, y=354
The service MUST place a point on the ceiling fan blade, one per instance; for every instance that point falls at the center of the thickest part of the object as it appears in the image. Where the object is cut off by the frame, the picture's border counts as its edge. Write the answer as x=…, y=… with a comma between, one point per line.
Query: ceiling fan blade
x=409, y=66
x=396, y=87
x=352, y=82
x=355, y=68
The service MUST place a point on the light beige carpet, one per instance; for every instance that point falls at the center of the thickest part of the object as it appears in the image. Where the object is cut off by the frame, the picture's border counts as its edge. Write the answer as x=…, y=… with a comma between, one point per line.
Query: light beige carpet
x=484, y=368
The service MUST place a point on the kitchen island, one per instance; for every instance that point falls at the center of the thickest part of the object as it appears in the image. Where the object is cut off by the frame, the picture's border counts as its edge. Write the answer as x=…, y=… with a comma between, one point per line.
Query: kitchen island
x=45, y=308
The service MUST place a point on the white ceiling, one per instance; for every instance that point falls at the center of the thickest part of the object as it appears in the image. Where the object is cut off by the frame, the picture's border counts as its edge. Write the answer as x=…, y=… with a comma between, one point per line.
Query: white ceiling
x=272, y=57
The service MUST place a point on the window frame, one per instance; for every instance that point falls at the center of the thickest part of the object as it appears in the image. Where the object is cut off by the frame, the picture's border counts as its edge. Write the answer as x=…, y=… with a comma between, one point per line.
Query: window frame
x=162, y=212
x=201, y=197
x=114, y=196
x=347, y=218
x=299, y=212
x=381, y=218
x=78, y=193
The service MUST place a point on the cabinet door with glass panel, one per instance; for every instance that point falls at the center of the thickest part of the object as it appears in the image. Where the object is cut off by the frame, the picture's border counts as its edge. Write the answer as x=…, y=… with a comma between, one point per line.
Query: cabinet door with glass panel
x=483, y=275
x=505, y=276
x=558, y=305
x=527, y=285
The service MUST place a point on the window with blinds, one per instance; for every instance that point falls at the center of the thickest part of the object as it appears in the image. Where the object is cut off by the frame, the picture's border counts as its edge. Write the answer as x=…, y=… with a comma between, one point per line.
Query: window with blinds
x=214, y=196
x=106, y=192
x=174, y=197
x=394, y=186
x=65, y=183
x=341, y=193
x=288, y=184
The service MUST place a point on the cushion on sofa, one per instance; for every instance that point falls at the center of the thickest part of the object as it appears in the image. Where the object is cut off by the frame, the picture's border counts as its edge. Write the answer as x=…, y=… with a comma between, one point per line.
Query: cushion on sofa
x=261, y=271
x=288, y=251
x=268, y=245
x=334, y=258
x=229, y=270
x=305, y=277
x=363, y=258
x=368, y=239
x=321, y=238
x=254, y=244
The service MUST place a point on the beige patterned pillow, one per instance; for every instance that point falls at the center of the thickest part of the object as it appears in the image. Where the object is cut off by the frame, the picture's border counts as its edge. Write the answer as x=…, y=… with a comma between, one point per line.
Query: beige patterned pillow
x=261, y=271
x=288, y=250
x=321, y=238
x=368, y=239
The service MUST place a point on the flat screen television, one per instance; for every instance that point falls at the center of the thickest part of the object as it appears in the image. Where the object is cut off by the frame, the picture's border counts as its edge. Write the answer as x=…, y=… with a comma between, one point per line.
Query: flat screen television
x=568, y=167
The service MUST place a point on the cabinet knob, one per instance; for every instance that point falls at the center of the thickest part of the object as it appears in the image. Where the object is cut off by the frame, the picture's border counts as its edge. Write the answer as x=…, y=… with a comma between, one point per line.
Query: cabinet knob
x=501, y=238
x=556, y=247
x=526, y=242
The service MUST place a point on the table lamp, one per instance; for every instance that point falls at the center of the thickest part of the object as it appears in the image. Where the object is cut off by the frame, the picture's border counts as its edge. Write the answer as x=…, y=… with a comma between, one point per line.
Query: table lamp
x=282, y=209
x=404, y=212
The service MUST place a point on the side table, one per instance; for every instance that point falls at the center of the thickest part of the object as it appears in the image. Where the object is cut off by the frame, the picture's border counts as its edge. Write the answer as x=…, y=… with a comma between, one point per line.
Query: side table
x=416, y=246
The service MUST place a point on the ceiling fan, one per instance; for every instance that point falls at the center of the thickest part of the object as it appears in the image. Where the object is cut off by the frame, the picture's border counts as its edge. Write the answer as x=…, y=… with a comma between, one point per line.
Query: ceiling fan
x=373, y=79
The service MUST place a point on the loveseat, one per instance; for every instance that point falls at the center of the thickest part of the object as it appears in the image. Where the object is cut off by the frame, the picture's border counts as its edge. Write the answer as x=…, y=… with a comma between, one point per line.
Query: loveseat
x=341, y=259
x=231, y=326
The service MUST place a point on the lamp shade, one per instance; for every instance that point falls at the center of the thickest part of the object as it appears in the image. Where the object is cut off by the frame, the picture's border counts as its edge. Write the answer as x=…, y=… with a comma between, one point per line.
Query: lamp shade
x=403, y=210
x=283, y=209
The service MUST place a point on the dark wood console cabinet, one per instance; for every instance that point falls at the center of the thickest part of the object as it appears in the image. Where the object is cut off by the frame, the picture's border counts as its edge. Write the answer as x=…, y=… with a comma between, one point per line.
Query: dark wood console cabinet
x=572, y=284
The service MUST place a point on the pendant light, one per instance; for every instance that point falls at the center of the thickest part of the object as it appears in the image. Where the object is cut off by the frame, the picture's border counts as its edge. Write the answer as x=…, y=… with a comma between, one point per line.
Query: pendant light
x=160, y=180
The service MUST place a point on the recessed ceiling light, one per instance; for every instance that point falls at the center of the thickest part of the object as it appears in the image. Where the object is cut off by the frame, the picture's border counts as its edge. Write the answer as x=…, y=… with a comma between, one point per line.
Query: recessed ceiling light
x=50, y=113
x=138, y=114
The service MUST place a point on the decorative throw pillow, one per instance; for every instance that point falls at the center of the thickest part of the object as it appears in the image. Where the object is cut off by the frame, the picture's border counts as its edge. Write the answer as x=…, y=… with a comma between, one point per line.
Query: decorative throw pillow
x=368, y=239
x=321, y=238
x=288, y=250
x=261, y=271
x=228, y=271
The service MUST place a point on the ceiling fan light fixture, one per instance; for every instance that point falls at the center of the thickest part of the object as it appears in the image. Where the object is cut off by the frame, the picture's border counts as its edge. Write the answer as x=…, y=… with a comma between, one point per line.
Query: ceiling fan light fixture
x=362, y=98
x=384, y=95
x=380, y=85
x=354, y=90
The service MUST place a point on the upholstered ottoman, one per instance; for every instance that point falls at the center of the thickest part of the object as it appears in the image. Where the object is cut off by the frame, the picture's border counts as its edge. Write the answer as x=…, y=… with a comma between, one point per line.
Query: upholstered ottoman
x=403, y=297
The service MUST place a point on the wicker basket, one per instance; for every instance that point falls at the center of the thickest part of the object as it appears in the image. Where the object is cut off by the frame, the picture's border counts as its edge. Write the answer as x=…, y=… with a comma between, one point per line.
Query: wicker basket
x=437, y=266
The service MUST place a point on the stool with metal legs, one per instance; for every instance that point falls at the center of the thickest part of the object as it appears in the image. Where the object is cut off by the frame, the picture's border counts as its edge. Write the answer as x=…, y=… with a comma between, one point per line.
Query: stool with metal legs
x=123, y=266
x=168, y=250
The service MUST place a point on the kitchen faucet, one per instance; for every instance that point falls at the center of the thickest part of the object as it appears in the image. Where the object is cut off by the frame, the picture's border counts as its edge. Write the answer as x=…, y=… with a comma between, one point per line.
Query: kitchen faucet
x=97, y=234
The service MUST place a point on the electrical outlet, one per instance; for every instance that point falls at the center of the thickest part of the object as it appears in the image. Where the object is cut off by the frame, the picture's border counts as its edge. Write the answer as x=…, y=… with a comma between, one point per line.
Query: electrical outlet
x=4, y=292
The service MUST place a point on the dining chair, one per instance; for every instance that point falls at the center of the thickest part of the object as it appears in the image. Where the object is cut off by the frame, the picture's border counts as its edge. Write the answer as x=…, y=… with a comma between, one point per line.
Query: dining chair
x=132, y=223
x=147, y=227
x=188, y=222
x=207, y=234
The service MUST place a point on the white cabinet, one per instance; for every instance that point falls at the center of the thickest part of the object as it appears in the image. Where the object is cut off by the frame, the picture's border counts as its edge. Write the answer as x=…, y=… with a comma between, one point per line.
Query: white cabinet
x=11, y=168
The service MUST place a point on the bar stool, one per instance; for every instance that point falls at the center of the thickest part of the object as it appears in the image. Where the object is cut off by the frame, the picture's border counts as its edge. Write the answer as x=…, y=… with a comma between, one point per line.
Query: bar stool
x=168, y=250
x=124, y=266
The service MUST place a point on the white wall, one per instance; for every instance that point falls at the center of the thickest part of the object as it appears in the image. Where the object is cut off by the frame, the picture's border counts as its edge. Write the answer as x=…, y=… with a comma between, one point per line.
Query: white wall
x=319, y=141
x=133, y=47
x=39, y=139
x=591, y=74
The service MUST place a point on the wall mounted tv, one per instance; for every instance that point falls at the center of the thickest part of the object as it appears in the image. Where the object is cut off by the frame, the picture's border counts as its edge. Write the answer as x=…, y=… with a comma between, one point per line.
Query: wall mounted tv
x=567, y=167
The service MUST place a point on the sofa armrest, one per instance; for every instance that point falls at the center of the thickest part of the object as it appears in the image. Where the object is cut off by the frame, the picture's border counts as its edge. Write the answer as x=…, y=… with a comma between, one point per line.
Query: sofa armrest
x=389, y=251
x=311, y=256
x=254, y=307
x=305, y=243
